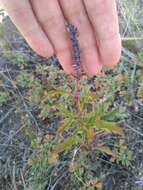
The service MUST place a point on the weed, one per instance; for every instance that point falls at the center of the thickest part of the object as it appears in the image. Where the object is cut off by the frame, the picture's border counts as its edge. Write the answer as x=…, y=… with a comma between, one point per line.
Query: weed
x=19, y=59
x=125, y=156
x=24, y=79
x=41, y=69
x=36, y=92
x=40, y=169
x=4, y=97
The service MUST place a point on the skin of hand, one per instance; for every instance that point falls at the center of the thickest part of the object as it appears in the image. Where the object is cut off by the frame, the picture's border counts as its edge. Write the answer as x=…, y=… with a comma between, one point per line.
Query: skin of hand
x=42, y=23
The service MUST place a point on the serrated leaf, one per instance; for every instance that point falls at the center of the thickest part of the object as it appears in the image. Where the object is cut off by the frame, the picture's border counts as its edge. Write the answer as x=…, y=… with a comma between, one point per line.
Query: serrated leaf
x=108, y=126
x=114, y=128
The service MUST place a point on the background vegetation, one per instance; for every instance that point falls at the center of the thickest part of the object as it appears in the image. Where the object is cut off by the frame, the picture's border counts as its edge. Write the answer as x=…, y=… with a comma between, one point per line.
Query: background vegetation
x=45, y=144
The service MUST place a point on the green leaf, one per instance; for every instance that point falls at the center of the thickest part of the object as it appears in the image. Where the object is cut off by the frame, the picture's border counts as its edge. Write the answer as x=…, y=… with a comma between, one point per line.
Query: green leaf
x=114, y=128
x=89, y=118
x=32, y=137
x=108, y=126
x=24, y=79
x=65, y=112
x=35, y=94
x=56, y=92
x=4, y=97
x=111, y=116
x=66, y=145
x=66, y=123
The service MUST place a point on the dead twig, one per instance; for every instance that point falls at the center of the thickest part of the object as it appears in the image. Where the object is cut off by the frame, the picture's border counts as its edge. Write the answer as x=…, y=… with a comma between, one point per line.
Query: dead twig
x=134, y=130
x=6, y=115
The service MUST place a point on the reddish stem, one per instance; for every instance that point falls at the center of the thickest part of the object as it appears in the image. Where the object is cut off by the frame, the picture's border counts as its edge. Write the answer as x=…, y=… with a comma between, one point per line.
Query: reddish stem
x=76, y=94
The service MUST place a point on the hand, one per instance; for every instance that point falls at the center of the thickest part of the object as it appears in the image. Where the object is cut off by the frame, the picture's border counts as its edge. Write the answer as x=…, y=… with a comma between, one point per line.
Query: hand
x=42, y=23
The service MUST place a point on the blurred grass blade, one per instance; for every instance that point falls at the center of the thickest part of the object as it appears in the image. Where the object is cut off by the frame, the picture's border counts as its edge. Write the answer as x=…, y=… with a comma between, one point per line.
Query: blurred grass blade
x=66, y=144
x=131, y=38
x=111, y=116
x=66, y=123
x=107, y=150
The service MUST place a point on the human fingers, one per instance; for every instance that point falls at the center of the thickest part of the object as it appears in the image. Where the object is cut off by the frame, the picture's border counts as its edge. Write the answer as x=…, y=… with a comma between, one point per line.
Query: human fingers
x=23, y=17
x=52, y=21
x=104, y=19
x=75, y=13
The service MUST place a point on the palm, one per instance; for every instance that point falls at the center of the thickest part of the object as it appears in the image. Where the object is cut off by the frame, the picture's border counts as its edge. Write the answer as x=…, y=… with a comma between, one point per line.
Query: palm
x=42, y=23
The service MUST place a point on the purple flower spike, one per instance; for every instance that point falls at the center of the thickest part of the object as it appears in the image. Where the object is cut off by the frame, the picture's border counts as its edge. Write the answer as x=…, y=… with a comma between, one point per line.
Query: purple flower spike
x=73, y=31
